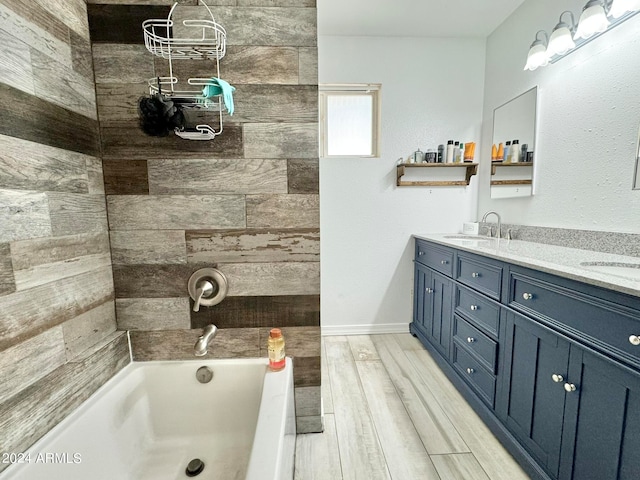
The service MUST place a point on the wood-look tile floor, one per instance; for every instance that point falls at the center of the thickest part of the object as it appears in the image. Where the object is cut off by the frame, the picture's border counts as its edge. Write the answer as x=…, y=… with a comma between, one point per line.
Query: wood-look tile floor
x=390, y=413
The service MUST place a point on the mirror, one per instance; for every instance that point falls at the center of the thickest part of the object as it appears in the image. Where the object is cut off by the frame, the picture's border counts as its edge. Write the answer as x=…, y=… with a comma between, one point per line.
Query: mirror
x=515, y=120
x=636, y=177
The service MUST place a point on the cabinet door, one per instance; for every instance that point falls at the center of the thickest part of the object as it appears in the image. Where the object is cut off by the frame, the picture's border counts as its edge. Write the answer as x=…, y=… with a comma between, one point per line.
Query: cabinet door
x=531, y=401
x=423, y=301
x=439, y=328
x=602, y=420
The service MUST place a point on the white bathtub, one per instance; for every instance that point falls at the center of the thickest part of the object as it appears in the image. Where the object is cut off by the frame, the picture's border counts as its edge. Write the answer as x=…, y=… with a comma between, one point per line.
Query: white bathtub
x=151, y=419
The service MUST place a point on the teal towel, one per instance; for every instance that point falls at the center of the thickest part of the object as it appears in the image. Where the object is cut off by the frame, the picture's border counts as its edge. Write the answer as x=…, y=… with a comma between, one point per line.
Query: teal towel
x=220, y=87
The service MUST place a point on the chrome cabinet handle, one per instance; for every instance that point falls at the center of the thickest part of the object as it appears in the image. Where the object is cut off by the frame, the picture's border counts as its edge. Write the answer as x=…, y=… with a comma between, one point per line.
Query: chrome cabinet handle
x=470, y=371
x=444, y=262
x=527, y=296
x=428, y=290
x=420, y=253
x=474, y=307
x=475, y=274
x=634, y=340
x=470, y=339
x=557, y=378
x=569, y=387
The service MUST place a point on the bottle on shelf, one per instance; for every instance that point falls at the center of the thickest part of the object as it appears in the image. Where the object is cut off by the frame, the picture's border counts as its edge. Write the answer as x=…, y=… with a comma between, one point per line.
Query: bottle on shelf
x=449, y=157
x=514, y=151
x=500, y=157
x=507, y=151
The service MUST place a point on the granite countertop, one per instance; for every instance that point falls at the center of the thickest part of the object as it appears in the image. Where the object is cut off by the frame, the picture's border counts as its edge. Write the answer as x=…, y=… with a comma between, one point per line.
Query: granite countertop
x=562, y=261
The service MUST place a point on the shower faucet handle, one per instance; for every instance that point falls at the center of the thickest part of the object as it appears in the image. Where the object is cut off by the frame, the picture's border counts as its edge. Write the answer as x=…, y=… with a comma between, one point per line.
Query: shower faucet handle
x=204, y=289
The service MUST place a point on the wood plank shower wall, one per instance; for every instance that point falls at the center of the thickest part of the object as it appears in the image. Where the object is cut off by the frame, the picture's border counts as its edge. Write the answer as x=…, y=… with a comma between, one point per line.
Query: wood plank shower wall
x=58, y=339
x=246, y=201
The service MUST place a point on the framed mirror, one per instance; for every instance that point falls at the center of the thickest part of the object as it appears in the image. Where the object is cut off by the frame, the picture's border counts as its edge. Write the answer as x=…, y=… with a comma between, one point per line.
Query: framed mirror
x=514, y=123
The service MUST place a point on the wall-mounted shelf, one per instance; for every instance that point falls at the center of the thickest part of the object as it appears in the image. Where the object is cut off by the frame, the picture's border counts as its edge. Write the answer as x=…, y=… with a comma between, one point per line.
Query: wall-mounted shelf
x=495, y=165
x=470, y=170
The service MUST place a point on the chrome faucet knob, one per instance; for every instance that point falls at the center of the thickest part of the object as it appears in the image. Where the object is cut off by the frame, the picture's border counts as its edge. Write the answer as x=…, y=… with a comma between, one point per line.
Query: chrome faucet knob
x=204, y=289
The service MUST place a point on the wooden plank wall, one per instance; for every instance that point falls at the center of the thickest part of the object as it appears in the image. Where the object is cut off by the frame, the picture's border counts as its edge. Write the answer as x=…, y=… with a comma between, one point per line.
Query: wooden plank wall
x=246, y=202
x=58, y=339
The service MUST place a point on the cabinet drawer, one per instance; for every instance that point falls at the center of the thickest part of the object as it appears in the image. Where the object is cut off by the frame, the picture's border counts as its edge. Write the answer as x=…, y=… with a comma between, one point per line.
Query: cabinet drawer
x=482, y=311
x=470, y=369
x=599, y=322
x=483, y=276
x=438, y=258
x=475, y=341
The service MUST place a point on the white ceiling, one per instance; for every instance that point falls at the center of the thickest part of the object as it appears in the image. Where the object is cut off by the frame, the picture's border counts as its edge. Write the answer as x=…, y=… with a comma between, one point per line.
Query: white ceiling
x=428, y=18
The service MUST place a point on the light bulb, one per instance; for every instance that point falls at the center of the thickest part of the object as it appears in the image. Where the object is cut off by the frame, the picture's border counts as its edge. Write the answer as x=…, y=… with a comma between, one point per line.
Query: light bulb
x=593, y=20
x=537, y=56
x=560, y=41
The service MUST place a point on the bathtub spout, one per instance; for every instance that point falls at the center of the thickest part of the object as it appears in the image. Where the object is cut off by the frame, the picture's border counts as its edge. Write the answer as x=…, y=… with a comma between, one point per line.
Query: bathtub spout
x=202, y=345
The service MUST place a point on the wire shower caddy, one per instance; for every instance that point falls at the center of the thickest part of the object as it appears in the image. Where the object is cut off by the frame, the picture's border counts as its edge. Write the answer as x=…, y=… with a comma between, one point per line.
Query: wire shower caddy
x=208, y=43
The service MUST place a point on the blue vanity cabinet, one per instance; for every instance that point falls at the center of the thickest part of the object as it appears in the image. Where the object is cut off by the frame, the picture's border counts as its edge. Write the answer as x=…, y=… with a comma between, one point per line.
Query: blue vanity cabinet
x=433, y=305
x=552, y=365
x=601, y=432
x=536, y=361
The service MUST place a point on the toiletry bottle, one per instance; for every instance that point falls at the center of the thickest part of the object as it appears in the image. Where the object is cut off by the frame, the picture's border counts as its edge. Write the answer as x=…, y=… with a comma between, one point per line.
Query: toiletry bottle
x=500, y=157
x=440, y=153
x=449, y=158
x=468, y=151
x=456, y=151
x=515, y=151
x=507, y=152
x=461, y=153
x=494, y=153
x=275, y=346
x=523, y=152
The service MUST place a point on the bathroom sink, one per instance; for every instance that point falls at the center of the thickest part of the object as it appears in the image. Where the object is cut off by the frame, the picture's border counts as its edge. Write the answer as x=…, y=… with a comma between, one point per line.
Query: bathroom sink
x=621, y=269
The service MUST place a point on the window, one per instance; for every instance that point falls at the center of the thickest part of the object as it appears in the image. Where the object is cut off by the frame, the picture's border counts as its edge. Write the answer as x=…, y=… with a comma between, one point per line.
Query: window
x=350, y=120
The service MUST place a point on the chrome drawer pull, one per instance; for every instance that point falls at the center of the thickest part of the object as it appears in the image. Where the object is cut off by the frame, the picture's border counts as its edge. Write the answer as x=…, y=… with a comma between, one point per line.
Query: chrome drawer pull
x=428, y=290
x=470, y=339
x=569, y=387
x=470, y=371
x=474, y=307
x=634, y=340
x=444, y=262
x=527, y=296
x=557, y=378
x=420, y=253
x=475, y=274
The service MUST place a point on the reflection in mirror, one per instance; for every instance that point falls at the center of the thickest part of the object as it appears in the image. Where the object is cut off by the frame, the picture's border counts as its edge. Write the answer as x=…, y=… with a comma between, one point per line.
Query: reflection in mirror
x=515, y=120
x=636, y=177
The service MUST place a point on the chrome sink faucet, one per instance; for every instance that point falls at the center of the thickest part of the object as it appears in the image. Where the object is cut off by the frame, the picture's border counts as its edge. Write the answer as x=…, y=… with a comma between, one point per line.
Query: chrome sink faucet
x=202, y=345
x=498, y=230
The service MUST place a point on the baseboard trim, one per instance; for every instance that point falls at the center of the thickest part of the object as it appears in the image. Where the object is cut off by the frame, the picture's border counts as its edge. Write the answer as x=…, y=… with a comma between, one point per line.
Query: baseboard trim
x=329, y=330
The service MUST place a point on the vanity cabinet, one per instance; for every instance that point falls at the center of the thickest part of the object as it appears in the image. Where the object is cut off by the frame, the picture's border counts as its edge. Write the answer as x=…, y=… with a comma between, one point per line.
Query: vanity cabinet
x=547, y=362
x=432, y=312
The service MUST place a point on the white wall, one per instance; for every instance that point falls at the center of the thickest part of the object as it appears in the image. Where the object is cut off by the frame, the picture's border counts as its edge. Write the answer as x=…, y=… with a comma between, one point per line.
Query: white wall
x=432, y=91
x=588, y=119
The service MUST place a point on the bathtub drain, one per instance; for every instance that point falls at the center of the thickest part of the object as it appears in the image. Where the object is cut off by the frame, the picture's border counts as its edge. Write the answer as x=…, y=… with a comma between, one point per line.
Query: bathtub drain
x=195, y=467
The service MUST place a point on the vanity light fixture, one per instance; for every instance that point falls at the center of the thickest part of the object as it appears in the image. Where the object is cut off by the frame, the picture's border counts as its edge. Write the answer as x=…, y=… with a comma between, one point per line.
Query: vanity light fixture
x=538, y=52
x=598, y=17
x=593, y=20
x=561, y=40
